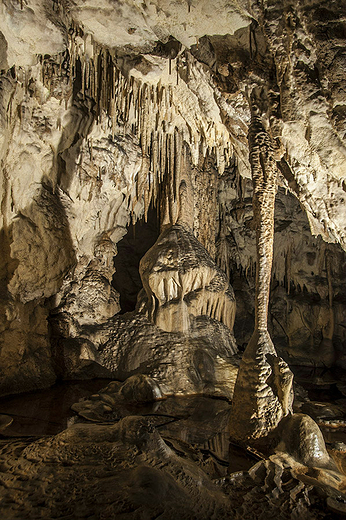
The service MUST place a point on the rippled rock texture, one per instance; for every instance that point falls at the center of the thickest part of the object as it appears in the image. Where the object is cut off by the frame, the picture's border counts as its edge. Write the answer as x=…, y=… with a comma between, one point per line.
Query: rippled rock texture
x=180, y=279
x=140, y=468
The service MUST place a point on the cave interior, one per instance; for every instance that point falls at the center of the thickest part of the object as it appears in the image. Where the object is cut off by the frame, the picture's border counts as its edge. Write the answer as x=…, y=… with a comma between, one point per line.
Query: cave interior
x=173, y=259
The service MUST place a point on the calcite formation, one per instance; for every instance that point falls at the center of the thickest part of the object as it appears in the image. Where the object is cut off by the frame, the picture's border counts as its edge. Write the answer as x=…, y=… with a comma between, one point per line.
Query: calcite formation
x=122, y=459
x=118, y=115
x=180, y=279
x=104, y=114
x=262, y=411
x=202, y=359
x=263, y=392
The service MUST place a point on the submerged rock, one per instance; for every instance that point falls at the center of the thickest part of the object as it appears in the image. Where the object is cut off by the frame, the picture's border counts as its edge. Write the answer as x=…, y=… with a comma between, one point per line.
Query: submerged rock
x=140, y=388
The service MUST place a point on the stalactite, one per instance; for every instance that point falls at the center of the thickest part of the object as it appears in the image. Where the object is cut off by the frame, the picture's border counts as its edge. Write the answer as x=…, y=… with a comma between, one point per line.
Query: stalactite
x=177, y=161
x=223, y=254
x=129, y=106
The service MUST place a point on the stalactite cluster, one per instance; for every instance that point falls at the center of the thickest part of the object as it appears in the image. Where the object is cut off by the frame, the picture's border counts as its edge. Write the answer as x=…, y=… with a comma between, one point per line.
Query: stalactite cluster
x=150, y=112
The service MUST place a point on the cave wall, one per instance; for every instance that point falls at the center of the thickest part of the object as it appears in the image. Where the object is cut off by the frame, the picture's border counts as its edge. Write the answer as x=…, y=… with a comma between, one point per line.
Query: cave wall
x=307, y=304
x=99, y=124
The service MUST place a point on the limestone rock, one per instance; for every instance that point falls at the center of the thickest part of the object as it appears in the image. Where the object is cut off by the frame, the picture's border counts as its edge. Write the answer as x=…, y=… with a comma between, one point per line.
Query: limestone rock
x=101, y=112
x=180, y=280
x=263, y=393
x=321, y=411
x=301, y=319
x=303, y=440
x=111, y=402
x=77, y=358
x=140, y=388
x=203, y=360
x=138, y=469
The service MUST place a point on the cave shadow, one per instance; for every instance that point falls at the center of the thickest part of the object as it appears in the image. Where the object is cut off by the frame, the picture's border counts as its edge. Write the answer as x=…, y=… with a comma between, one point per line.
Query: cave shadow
x=140, y=237
x=44, y=228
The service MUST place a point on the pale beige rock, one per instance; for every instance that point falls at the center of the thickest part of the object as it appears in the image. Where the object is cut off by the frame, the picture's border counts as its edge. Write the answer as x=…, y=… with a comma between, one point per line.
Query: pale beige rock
x=263, y=392
x=107, y=141
x=202, y=360
x=141, y=25
x=180, y=280
x=305, y=326
x=313, y=118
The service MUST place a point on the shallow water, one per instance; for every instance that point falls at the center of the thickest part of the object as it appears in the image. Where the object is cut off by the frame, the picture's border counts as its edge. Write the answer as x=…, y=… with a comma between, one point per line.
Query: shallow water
x=192, y=422
x=46, y=412
x=198, y=422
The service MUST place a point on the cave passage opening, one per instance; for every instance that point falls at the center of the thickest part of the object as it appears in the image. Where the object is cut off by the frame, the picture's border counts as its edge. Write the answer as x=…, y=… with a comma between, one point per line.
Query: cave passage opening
x=140, y=237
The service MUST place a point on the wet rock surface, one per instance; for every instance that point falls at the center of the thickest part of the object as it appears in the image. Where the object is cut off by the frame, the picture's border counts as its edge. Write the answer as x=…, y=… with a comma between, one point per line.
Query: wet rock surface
x=303, y=440
x=171, y=453
x=263, y=392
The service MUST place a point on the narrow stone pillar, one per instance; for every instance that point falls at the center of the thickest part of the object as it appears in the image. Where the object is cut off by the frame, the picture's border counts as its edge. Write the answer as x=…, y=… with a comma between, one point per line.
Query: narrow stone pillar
x=264, y=174
x=263, y=391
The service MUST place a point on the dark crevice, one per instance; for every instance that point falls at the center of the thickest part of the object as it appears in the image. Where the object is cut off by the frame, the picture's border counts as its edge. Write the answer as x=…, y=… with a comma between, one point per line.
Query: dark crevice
x=139, y=238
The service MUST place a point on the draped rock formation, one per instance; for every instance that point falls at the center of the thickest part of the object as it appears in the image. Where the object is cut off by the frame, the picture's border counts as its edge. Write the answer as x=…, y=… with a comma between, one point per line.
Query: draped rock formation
x=179, y=279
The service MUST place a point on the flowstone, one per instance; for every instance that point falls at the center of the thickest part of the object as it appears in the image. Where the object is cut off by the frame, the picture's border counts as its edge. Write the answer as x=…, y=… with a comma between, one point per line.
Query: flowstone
x=180, y=279
x=182, y=332
x=203, y=360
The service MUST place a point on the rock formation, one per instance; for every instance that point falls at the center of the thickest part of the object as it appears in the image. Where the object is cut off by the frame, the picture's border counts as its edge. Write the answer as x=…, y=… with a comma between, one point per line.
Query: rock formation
x=96, y=130
x=180, y=279
x=173, y=132
x=263, y=392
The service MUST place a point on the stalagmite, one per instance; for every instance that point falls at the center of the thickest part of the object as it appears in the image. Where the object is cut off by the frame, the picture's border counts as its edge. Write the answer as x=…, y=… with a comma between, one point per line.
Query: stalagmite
x=263, y=391
x=179, y=278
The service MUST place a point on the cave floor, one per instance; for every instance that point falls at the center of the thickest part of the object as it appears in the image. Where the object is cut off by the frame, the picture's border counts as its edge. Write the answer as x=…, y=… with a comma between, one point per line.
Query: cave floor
x=169, y=459
x=196, y=420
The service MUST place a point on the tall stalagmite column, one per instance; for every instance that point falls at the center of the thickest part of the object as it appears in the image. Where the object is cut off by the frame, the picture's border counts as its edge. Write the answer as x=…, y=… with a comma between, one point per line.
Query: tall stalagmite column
x=263, y=391
x=264, y=173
